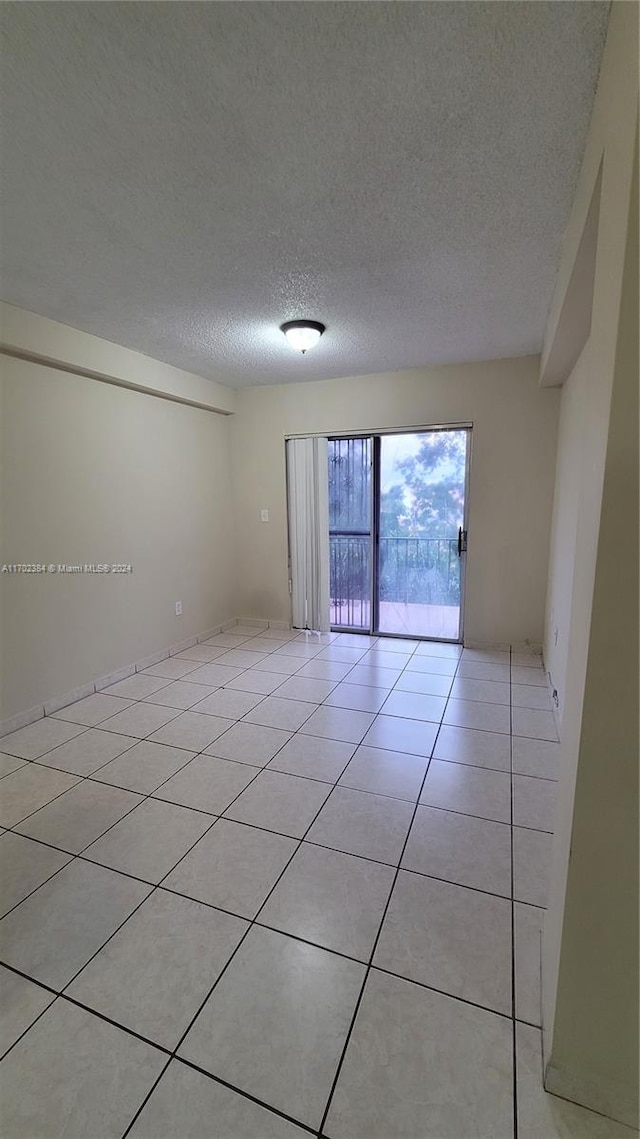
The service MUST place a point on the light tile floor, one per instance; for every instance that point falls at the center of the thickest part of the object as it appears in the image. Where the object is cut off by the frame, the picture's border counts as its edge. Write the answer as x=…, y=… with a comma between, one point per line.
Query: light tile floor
x=283, y=885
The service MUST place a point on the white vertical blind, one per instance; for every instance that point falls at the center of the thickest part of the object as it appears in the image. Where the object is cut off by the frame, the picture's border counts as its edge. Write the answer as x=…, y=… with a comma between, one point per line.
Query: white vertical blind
x=308, y=501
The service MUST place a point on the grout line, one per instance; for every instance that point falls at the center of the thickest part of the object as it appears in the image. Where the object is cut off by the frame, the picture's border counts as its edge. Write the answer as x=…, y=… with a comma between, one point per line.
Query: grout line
x=513, y=923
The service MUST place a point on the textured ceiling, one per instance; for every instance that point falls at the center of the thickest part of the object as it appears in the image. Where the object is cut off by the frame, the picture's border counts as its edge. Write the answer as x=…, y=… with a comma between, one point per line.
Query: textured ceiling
x=182, y=177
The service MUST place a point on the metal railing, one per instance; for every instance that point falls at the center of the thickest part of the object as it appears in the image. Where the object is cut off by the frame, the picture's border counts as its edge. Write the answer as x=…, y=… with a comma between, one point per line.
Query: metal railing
x=412, y=571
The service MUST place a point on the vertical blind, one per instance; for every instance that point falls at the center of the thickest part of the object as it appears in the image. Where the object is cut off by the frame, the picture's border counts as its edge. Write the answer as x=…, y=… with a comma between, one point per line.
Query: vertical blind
x=308, y=503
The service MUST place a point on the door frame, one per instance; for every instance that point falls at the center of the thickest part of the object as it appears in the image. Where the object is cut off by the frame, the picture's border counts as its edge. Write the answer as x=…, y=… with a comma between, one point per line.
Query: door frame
x=375, y=435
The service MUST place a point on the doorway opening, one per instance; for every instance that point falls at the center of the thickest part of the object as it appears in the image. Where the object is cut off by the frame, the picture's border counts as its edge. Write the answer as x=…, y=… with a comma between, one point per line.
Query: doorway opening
x=398, y=532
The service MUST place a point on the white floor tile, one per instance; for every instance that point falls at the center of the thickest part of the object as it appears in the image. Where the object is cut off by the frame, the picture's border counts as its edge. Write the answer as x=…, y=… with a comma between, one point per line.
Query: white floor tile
x=274, y=712
x=80, y=816
x=480, y=749
x=42, y=736
x=422, y=1064
x=144, y=767
x=93, y=709
x=232, y=866
x=520, y=675
x=487, y=691
x=260, y=683
x=449, y=938
x=155, y=972
x=394, y=773
x=9, y=763
x=531, y=865
x=139, y=720
x=481, y=670
x=332, y=899
x=241, y=658
x=358, y=822
x=539, y=758
x=88, y=752
x=150, y=840
x=61, y=1077
x=305, y=688
x=439, y=666
x=396, y=734
x=282, y=803
x=249, y=743
x=474, y=714
x=171, y=668
x=21, y=1002
x=313, y=757
x=280, y=664
x=25, y=866
x=469, y=790
x=528, y=950
x=530, y=696
x=26, y=790
x=359, y=697
x=324, y=670
x=207, y=784
x=414, y=706
x=534, y=802
x=426, y=682
x=54, y=932
x=138, y=686
x=192, y=731
x=338, y=724
x=180, y=694
x=254, y=1036
x=185, y=1103
x=374, y=676
x=535, y=725
x=460, y=848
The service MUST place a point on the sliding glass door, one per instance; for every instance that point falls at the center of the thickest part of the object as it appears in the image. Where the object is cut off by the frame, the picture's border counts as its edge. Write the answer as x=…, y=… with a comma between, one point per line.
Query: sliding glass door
x=397, y=507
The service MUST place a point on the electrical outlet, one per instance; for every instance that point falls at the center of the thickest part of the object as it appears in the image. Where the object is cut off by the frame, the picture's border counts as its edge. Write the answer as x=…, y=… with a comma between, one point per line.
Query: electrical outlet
x=264, y=515
x=178, y=608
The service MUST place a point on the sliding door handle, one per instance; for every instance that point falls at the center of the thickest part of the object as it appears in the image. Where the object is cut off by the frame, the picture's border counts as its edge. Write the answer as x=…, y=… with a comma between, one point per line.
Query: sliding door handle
x=462, y=541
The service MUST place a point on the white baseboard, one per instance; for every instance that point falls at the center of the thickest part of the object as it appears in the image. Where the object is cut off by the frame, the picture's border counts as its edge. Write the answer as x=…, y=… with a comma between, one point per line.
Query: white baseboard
x=114, y=677
x=153, y=658
x=59, y=702
x=182, y=645
x=30, y=715
x=208, y=633
x=21, y=720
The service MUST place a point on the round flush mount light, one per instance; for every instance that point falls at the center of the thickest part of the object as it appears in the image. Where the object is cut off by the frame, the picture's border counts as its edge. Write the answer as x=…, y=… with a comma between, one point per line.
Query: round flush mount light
x=302, y=334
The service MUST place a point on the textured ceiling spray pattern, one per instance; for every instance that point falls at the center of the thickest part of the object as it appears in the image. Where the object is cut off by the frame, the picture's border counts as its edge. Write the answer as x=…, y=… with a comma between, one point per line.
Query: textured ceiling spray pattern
x=182, y=178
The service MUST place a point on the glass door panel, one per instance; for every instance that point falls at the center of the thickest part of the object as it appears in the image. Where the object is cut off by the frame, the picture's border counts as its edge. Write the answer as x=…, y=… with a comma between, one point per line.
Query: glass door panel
x=422, y=535
x=350, y=531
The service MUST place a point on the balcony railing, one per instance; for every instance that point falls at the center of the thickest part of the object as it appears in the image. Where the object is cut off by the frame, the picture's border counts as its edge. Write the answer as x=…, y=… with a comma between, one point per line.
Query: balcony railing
x=412, y=571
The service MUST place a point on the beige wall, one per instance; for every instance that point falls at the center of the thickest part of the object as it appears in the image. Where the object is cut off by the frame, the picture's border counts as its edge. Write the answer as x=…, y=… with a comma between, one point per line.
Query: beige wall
x=514, y=441
x=97, y=473
x=590, y=951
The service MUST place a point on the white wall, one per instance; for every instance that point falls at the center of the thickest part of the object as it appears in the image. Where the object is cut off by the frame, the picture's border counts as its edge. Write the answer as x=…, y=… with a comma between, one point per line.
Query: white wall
x=590, y=952
x=514, y=442
x=92, y=472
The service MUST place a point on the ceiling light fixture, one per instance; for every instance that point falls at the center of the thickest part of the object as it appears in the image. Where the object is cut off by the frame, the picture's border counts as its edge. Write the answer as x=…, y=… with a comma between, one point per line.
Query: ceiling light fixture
x=302, y=334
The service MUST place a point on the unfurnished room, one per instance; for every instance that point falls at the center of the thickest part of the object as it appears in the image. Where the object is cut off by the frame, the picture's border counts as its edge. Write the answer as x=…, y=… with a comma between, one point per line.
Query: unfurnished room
x=319, y=569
